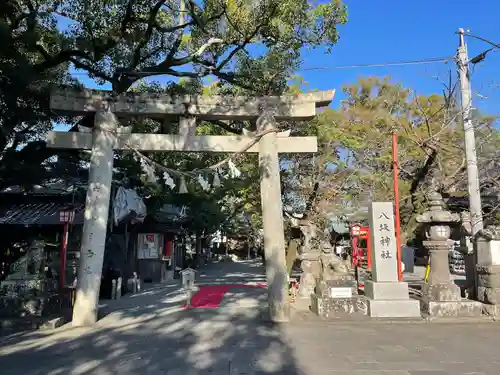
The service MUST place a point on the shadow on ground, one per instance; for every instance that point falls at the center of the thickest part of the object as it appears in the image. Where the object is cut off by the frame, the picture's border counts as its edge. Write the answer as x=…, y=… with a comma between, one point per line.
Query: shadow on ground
x=149, y=334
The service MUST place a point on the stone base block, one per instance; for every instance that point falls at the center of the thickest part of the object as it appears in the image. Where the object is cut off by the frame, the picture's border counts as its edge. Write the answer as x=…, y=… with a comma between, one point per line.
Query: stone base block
x=386, y=290
x=279, y=312
x=463, y=308
x=404, y=308
x=9, y=325
x=302, y=304
x=488, y=295
x=327, y=307
x=492, y=311
x=489, y=280
x=487, y=269
x=11, y=307
x=442, y=292
x=53, y=323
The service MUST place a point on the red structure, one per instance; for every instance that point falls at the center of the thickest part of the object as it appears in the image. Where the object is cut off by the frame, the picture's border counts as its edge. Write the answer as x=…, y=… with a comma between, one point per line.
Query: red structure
x=397, y=219
x=66, y=217
x=360, y=241
x=169, y=248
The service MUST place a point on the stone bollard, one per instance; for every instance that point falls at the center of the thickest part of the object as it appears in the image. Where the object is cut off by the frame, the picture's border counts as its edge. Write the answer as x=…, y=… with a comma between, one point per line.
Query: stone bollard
x=134, y=284
x=137, y=283
x=188, y=276
x=118, y=293
x=113, y=289
x=131, y=285
x=488, y=269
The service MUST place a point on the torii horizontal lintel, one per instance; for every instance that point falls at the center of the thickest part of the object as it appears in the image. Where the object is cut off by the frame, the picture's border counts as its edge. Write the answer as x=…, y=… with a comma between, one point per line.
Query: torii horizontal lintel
x=286, y=107
x=172, y=143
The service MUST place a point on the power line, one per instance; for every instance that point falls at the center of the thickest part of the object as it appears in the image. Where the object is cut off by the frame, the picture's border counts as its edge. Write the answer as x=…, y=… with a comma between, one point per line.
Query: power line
x=397, y=63
x=468, y=34
x=332, y=67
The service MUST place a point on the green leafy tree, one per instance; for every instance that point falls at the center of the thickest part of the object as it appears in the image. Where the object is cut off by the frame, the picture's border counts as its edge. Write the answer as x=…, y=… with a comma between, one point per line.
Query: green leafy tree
x=354, y=163
x=245, y=45
x=121, y=42
x=27, y=35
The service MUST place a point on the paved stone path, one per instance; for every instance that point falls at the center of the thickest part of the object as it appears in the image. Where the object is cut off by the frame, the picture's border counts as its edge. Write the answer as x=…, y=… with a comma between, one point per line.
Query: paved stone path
x=149, y=334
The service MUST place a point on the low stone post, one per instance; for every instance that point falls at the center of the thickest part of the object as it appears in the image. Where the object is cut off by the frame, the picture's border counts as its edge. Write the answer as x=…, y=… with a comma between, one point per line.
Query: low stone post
x=118, y=293
x=488, y=269
x=137, y=282
x=441, y=297
x=133, y=283
x=113, y=289
x=188, y=276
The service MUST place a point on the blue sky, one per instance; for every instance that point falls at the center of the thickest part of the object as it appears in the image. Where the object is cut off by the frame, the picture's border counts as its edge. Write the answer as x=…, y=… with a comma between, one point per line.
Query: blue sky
x=393, y=31
x=390, y=30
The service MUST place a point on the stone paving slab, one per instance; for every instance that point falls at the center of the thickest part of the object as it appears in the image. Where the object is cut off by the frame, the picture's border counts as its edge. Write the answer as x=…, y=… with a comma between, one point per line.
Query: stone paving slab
x=149, y=334
x=237, y=342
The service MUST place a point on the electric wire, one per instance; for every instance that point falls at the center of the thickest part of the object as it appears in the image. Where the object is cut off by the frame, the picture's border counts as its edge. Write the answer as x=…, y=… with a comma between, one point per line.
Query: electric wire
x=332, y=67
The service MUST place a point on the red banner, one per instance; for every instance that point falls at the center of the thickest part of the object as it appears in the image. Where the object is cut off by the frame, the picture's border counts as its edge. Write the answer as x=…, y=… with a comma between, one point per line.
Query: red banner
x=169, y=248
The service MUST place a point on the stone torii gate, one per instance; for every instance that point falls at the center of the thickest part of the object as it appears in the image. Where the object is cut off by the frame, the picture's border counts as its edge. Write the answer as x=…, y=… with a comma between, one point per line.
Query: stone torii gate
x=107, y=136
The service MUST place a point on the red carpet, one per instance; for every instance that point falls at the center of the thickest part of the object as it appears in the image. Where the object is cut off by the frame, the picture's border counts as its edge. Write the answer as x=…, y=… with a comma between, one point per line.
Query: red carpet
x=210, y=296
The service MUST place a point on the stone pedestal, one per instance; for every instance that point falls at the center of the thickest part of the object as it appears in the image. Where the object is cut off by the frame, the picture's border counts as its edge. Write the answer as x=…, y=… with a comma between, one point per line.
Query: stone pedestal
x=390, y=300
x=336, y=291
x=335, y=298
x=440, y=287
x=441, y=297
x=488, y=270
x=27, y=292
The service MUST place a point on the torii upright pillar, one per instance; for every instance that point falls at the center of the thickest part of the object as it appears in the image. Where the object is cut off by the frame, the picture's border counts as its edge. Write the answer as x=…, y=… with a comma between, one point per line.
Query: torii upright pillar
x=96, y=218
x=107, y=136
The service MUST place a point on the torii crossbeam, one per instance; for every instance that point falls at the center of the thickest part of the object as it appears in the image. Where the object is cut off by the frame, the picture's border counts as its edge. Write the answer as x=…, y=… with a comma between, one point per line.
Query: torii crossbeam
x=107, y=137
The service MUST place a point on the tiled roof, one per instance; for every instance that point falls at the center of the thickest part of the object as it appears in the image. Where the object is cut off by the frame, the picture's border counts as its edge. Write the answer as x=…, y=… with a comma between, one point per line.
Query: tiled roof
x=37, y=214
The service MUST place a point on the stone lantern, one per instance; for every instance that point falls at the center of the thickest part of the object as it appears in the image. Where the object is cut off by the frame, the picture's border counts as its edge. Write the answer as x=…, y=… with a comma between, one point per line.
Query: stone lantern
x=440, y=295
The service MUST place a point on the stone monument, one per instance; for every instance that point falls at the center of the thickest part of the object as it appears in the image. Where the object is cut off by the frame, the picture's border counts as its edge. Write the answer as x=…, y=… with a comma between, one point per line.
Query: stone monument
x=387, y=297
x=336, y=289
x=488, y=269
x=27, y=291
x=441, y=297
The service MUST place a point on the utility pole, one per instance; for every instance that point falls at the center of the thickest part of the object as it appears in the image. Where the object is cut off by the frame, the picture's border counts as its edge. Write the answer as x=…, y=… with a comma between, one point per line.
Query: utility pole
x=475, y=209
x=476, y=212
